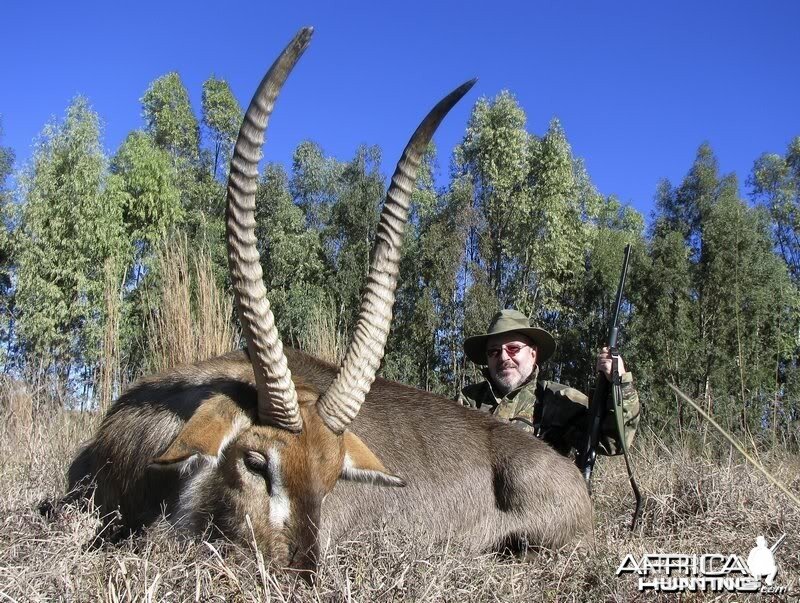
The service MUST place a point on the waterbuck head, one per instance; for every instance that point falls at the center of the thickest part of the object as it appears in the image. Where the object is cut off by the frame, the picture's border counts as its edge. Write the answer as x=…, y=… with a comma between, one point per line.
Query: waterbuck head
x=260, y=469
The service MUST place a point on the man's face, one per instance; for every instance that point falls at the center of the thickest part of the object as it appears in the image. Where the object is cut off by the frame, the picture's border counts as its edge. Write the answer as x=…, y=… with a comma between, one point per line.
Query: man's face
x=512, y=357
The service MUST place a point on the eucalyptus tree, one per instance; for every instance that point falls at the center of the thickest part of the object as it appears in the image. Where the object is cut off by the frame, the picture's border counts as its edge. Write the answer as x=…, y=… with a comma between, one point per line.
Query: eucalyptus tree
x=719, y=301
x=315, y=183
x=685, y=209
x=421, y=348
x=169, y=117
x=747, y=298
x=222, y=116
x=662, y=332
x=171, y=122
x=6, y=250
x=144, y=183
x=609, y=225
x=173, y=127
x=203, y=200
x=69, y=228
x=496, y=154
x=775, y=183
x=533, y=203
x=410, y=347
x=491, y=167
x=6, y=166
x=450, y=238
x=551, y=239
x=442, y=249
x=347, y=237
x=292, y=258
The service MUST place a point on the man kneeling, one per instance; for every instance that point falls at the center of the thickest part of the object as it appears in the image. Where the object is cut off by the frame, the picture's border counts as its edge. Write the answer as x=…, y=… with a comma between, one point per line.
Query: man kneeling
x=510, y=353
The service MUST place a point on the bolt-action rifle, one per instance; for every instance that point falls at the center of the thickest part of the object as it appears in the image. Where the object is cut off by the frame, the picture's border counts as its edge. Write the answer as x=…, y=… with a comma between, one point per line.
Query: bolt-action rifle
x=599, y=406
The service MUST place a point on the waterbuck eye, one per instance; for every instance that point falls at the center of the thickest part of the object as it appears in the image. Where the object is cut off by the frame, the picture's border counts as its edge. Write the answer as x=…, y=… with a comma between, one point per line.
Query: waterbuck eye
x=258, y=463
x=255, y=461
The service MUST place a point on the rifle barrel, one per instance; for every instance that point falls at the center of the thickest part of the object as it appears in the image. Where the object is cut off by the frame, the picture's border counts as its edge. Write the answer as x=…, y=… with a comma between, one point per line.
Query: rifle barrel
x=612, y=329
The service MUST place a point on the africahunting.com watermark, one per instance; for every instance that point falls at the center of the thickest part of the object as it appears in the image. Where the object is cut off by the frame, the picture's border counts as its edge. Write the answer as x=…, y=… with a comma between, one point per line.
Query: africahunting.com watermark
x=712, y=572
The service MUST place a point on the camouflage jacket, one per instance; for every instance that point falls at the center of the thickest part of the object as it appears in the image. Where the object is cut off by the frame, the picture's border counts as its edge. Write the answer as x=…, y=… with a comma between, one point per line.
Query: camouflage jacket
x=556, y=413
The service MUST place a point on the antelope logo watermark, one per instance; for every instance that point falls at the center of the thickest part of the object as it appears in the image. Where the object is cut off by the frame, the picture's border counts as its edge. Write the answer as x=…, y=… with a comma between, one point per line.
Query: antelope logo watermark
x=711, y=572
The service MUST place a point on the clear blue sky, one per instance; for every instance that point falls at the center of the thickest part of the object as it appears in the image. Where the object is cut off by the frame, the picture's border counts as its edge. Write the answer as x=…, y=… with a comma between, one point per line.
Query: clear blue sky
x=637, y=85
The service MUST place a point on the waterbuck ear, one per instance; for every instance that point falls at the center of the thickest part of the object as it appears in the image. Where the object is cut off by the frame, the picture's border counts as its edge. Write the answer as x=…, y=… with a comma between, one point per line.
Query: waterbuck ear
x=212, y=426
x=361, y=465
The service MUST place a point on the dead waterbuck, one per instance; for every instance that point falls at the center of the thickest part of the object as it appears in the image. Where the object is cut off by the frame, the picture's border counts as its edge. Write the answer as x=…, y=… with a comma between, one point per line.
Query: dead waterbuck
x=255, y=442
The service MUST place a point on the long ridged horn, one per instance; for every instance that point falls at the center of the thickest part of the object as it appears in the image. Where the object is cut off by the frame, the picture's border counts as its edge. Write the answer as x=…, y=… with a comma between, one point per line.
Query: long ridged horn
x=339, y=405
x=277, y=399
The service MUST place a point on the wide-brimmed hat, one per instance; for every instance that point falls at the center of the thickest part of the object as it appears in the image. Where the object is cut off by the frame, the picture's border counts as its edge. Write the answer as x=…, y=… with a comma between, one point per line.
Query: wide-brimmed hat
x=506, y=321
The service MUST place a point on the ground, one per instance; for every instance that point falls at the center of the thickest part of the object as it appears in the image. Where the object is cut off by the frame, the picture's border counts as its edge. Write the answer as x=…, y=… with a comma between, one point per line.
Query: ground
x=701, y=498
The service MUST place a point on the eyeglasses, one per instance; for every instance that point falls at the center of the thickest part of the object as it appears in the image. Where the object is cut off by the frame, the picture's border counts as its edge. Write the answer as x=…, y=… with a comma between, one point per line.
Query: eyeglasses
x=512, y=350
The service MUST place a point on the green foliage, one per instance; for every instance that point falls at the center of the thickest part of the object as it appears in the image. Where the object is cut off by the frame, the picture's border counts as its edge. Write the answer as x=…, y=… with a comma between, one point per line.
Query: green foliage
x=496, y=152
x=6, y=247
x=530, y=235
x=661, y=328
x=6, y=166
x=315, y=183
x=533, y=227
x=222, y=116
x=776, y=184
x=716, y=303
x=204, y=218
x=143, y=182
x=412, y=355
x=69, y=228
x=173, y=127
x=590, y=296
x=291, y=256
x=743, y=280
x=169, y=117
x=552, y=238
x=167, y=182
x=348, y=236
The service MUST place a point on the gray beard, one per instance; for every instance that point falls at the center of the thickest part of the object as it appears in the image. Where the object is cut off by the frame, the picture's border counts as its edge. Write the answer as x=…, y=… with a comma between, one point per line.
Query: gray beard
x=504, y=385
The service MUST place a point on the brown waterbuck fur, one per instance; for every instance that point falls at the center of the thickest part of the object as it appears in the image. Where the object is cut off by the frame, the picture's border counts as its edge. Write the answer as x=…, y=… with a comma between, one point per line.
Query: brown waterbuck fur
x=274, y=446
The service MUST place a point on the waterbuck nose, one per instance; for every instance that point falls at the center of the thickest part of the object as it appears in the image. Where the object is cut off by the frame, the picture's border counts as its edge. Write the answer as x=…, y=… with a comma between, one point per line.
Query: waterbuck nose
x=304, y=557
x=304, y=561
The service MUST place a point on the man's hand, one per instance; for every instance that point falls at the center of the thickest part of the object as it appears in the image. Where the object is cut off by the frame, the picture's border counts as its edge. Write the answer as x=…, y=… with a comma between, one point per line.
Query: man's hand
x=604, y=363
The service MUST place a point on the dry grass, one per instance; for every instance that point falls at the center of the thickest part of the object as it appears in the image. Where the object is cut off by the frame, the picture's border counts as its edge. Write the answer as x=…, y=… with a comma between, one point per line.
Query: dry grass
x=190, y=315
x=710, y=502
x=108, y=380
x=322, y=339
